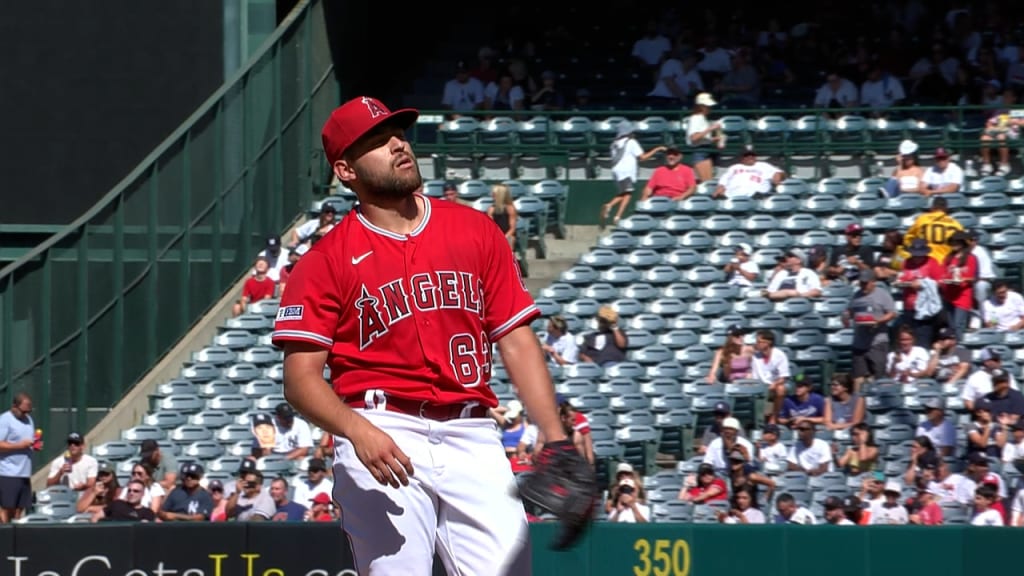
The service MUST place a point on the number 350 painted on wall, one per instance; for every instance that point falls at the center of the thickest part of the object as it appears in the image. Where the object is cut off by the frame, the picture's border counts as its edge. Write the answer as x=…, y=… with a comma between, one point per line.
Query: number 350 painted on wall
x=664, y=558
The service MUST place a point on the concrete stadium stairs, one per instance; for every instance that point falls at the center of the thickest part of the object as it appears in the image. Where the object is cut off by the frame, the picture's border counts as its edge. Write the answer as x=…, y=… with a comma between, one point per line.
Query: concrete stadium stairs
x=562, y=254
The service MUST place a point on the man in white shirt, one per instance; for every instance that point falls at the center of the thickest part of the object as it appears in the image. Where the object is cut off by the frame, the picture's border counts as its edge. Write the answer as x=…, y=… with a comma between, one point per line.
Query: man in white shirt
x=317, y=482
x=808, y=454
x=943, y=177
x=789, y=512
x=986, y=271
x=719, y=448
x=881, y=90
x=749, y=177
x=741, y=270
x=74, y=469
x=836, y=92
x=770, y=366
x=462, y=93
x=316, y=228
x=293, y=438
x=1004, y=311
x=890, y=511
x=559, y=344
x=980, y=382
x=275, y=256
x=936, y=427
x=835, y=512
x=1014, y=448
x=793, y=280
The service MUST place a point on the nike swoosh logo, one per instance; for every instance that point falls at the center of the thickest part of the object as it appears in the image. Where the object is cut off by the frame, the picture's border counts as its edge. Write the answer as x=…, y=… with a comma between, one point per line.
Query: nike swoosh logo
x=358, y=259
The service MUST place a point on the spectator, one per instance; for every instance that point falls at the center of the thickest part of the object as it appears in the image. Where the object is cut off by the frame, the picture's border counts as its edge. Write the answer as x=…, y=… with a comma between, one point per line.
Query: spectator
x=249, y=502
x=980, y=382
x=503, y=212
x=943, y=177
x=275, y=257
x=919, y=281
x=836, y=93
x=871, y=487
x=908, y=176
x=294, y=255
x=889, y=260
x=908, y=361
x=292, y=437
x=743, y=474
x=504, y=95
x=313, y=230
x=320, y=509
x=674, y=180
x=749, y=178
x=627, y=503
x=809, y=455
x=607, y=345
x=127, y=509
x=153, y=495
x=835, y=512
x=881, y=90
x=853, y=258
x=958, y=283
x=287, y=511
x=256, y=287
x=844, y=408
x=512, y=423
x=986, y=435
x=740, y=87
x=719, y=450
x=1013, y=450
x=925, y=510
x=862, y=454
x=463, y=93
x=188, y=502
x=1004, y=311
x=870, y=311
x=985, y=513
x=741, y=270
x=720, y=411
x=74, y=468
x=793, y=280
x=743, y=509
x=705, y=487
x=986, y=271
x=935, y=227
x=103, y=492
x=937, y=428
x=1007, y=404
x=626, y=155
x=451, y=194
x=559, y=343
x=317, y=482
x=164, y=465
x=706, y=138
x=948, y=362
x=17, y=438
x=771, y=368
x=804, y=406
x=890, y=511
x=770, y=452
x=789, y=512
x=219, y=513
x=548, y=97
x=733, y=360
x=676, y=80
x=1001, y=129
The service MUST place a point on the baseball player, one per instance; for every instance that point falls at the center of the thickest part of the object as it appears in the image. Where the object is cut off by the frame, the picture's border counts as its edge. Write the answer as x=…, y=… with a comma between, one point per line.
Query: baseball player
x=404, y=300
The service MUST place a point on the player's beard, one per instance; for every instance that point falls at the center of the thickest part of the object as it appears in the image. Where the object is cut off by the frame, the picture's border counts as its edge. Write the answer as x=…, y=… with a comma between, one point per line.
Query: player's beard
x=390, y=184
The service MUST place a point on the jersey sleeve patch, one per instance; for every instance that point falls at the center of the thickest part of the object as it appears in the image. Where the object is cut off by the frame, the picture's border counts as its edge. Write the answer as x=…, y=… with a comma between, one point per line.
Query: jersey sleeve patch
x=289, y=313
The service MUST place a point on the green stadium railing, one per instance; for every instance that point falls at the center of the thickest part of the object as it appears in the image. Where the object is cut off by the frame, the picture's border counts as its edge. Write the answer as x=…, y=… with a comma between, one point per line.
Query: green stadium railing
x=86, y=313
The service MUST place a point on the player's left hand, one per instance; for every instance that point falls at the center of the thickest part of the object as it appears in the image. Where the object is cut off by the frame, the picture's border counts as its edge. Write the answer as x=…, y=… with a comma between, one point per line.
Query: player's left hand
x=564, y=484
x=381, y=456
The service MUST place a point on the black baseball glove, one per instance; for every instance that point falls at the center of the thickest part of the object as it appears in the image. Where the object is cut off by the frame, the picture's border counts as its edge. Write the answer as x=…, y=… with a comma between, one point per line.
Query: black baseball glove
x=564, y=484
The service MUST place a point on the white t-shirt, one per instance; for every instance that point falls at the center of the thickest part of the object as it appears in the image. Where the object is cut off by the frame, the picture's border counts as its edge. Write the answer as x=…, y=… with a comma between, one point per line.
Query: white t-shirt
x=1006, y=314
x=753, y=516
x=529, y=437
x=776, y=454
x=880, y=514
x=81, y=471
x=566, y=347
x=304, y=492
x=515, y=94
x=741, y=180
x=628, y=516
x=750, y=267
x=627, y=150
x=650, y=50
x=804, y=281
x=462, y=97
x=915, y=361
x=811, y=457
x=307, y=229
x=980, y=383
x=881, y=93
x=715, y=455
x=846, y=95
x=951, y=175
x=985, y=269
x=770, y=369
x=1017, y=510
x=1012, y=452
x=800, y=516
x=942, y=435
x=989, y=517
x=694, y=124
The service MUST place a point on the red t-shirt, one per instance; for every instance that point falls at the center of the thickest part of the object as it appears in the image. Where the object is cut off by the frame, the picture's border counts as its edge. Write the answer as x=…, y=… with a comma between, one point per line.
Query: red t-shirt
x=960, y=295
x=414, y=316
x=256, y=290
x=698, y=490
x=929, y=269
x=581, y=424
x=671, y=182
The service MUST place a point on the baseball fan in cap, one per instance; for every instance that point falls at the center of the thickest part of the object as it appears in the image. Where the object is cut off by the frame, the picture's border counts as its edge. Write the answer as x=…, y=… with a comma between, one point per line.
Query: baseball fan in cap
x=285, y=434
x=749, y=178
x=626, y=154
x=850, y=259
x=368, y=300
x=835, y=511
x=704, y=137
x=674, y=180
x=189, y=501
x=704, y=487
x=315, y=229
x=794, y=279
x=74, y=468
x=741, y=270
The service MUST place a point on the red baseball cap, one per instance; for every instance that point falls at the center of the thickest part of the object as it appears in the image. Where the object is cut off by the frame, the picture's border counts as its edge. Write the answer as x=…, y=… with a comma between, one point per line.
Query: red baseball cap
x=350, y=121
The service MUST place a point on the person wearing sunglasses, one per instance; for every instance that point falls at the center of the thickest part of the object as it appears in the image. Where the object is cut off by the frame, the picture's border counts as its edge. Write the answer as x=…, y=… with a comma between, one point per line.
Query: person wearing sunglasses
x=189, y=501
x=153, y=496
x=129, y=508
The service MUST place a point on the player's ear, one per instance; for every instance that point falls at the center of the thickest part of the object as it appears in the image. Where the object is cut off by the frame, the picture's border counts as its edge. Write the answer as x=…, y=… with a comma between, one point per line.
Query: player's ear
x=344, y=171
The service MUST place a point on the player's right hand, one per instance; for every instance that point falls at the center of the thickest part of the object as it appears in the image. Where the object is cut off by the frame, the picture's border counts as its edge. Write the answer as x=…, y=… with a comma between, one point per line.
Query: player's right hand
x=381, y=456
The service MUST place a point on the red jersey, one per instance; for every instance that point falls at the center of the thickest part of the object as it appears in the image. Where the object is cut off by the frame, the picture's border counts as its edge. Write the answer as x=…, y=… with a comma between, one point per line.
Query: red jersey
x=412, y=315
x=581, y=424
x=916, y=269
x=256, y=290
x=960, y=295
x=671, y=182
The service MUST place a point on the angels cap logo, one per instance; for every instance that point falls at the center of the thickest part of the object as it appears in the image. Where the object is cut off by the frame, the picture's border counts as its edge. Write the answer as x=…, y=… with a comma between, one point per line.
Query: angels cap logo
x=376, y=108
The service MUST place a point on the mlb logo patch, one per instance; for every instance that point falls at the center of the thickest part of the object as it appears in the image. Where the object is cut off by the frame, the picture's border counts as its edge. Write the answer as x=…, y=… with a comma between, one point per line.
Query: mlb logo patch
x=289, y=313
